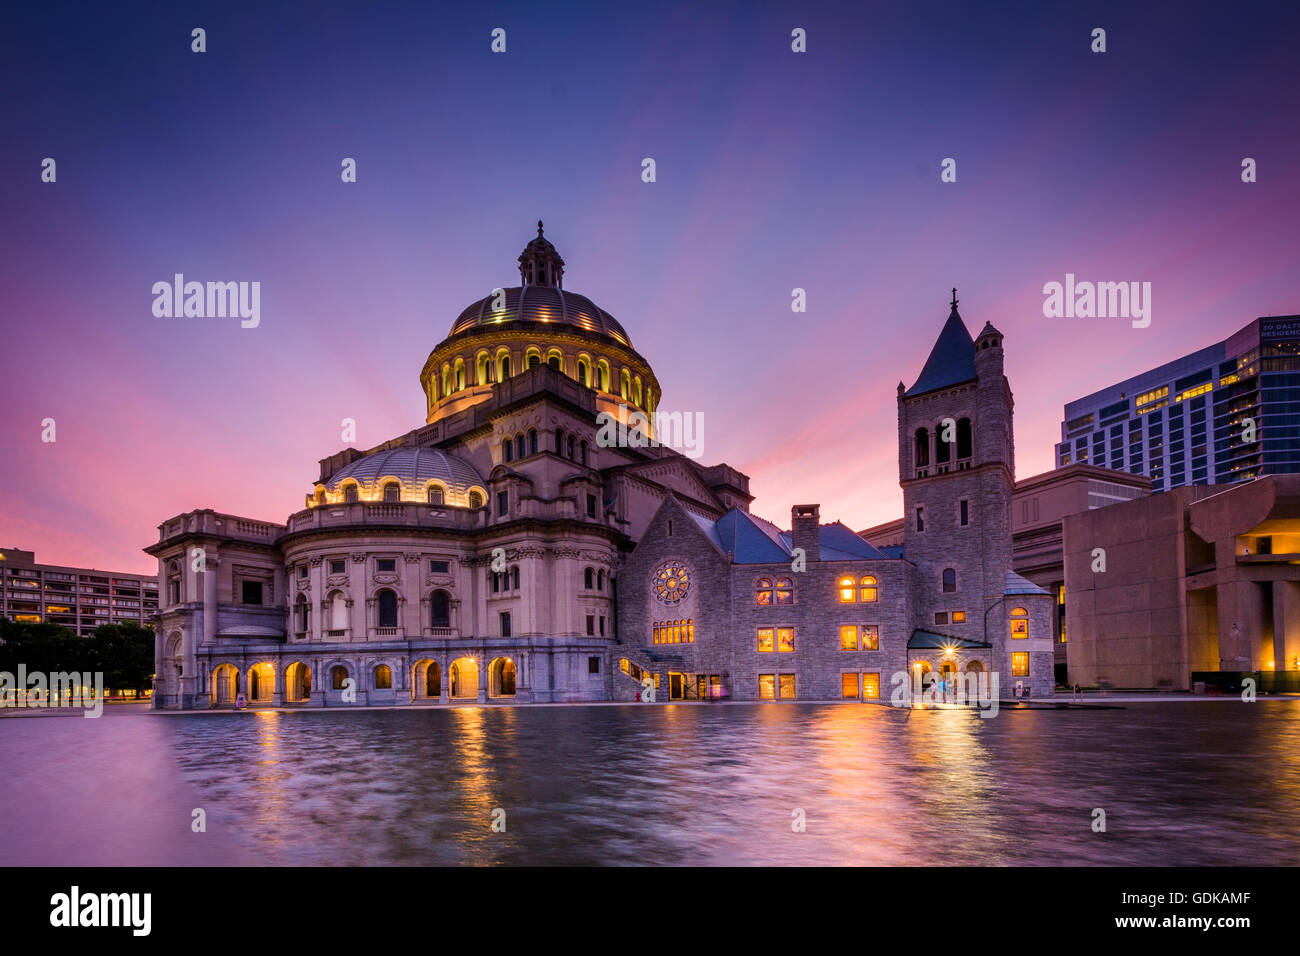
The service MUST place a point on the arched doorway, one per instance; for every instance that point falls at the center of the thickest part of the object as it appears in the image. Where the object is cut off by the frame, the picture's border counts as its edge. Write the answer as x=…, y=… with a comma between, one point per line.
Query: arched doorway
x=225, y=684
x=921, y=673
x=433, y=681
x=261, y=683
x=464, y=678
x=501, y=678
x=297, y=683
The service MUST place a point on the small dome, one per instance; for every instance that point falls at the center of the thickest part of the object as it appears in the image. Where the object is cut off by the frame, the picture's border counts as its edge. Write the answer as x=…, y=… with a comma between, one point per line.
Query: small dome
x=413, y=467
x=544, y=304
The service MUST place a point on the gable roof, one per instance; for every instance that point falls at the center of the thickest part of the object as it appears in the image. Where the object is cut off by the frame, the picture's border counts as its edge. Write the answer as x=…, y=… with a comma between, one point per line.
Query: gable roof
x=951, y=361
x=749, y=539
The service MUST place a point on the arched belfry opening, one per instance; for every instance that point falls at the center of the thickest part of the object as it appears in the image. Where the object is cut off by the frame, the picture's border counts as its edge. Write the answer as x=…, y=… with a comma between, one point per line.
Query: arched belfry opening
x=540, y=264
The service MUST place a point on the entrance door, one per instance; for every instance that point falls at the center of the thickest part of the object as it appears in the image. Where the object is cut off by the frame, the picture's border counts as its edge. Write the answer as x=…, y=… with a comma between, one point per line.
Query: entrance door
x=676, y=684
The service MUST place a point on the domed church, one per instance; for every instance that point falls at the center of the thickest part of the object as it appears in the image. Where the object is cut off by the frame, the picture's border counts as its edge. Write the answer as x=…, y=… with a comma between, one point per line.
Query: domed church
x=504, y=551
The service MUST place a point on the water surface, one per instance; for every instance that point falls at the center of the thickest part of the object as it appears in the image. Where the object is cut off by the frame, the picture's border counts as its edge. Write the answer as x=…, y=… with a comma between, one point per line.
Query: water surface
x=1181, y=783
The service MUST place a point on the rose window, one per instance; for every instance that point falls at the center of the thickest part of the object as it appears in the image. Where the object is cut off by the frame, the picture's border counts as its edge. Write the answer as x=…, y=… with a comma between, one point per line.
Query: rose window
x=671, y=583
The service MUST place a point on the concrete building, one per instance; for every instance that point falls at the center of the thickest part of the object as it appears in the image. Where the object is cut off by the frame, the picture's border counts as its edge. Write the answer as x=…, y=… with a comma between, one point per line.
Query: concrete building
x=1039, y=506
x=80, y=599
x=1189, y=421
x=1173, y=588
x=510, y=550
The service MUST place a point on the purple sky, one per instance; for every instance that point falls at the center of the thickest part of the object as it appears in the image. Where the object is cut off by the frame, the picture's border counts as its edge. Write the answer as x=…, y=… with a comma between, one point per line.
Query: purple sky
x=775, y=170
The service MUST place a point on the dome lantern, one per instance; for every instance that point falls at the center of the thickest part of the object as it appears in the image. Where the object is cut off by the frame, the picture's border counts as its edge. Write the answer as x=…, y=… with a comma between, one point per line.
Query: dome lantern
x=540, y=264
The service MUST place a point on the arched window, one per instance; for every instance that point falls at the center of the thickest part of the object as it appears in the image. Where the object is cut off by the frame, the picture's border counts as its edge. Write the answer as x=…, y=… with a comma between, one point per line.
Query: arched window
x=763, y=592
x=460, y=374
x=507, y=450
x=942, y=449
x=446, y=380
x=555, y=362
x=440, y=609
x=963, y=438
x=949, y=580
x=584, y=376
x=514, y=574
x=392, y=491
x=784, y=591
x=570, y=455
x=600, y=580
x=636, y=390
x=475, y=499
x=867, y=589
x=559, y=441
x=922, y=448
x=532, y=441
x=383, y=677
x=1019, y=622
x=173, y=583
x=300, y=613
x=603, y=372
x=503, y=366
x=350, y=493
x=589, y=579
x=848, y=593
x=520, y=447
x=624, y=384
x=435, y=495
x=338, y=674
x=482, y=369
x=387, y=608
x=534, y=360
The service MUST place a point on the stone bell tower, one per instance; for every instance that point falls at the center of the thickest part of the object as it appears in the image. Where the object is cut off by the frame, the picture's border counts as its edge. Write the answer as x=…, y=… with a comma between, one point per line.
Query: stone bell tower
x=956, y=468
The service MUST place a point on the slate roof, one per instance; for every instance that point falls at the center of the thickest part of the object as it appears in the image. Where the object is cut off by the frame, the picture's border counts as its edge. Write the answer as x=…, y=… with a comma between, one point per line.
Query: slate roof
x=923, y=640
x=1018, y=585
x=951, y=361
x=750, y=539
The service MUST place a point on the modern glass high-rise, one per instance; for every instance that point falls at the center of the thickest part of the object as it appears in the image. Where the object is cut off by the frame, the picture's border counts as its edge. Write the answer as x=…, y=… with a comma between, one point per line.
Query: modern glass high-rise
x=1189, y=421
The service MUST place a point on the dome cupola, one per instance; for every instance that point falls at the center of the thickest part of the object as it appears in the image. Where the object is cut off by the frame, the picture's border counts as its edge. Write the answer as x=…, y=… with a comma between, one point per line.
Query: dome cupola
x=540, y=264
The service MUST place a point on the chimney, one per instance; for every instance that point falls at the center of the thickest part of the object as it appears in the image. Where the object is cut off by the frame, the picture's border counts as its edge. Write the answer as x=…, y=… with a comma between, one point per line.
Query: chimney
x=805, y=523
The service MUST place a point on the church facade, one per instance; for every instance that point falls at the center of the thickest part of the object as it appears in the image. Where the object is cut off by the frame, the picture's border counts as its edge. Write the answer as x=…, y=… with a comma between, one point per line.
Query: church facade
x=505, y=551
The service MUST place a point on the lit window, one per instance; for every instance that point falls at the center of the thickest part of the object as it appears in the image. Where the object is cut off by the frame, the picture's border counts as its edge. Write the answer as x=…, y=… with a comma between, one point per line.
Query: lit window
x=871, y=637
x=766, y=640
x=784, y=591
x=785, y=639
x=767, y=687
x=1019, y=622
x=959, y=617
x=848, y=637
x=383, y=677
x=787, y=687
x=763, y=592
x=847, y=592
x=1020, y=664
x=867, y=589
x=849, y=686
x=871, y=686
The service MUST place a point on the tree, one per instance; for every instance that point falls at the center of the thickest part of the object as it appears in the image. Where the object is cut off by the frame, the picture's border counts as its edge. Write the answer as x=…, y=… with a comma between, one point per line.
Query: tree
x=124, y=652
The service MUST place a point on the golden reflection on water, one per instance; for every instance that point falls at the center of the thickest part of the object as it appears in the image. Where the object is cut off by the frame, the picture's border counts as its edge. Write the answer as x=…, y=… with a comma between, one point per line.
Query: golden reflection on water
x=679, y=784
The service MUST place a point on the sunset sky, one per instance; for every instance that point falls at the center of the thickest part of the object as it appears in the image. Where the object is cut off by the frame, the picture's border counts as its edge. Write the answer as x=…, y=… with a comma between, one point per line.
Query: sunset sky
x=776, y=170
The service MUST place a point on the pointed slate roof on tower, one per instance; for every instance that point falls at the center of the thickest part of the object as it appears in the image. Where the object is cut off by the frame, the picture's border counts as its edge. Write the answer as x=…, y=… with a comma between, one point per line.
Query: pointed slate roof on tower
x=952, y=360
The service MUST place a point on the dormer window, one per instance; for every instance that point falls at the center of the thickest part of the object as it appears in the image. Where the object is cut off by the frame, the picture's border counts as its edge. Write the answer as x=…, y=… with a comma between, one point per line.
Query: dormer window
x=392, y=492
